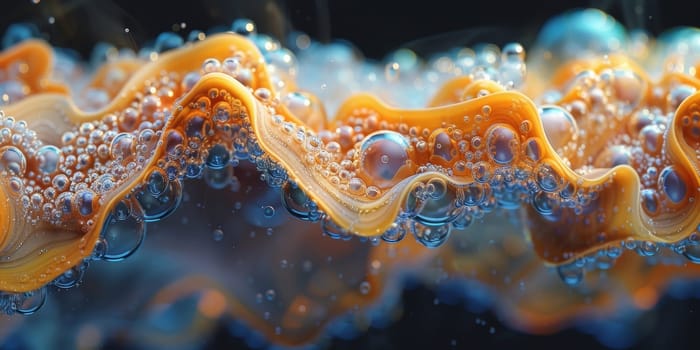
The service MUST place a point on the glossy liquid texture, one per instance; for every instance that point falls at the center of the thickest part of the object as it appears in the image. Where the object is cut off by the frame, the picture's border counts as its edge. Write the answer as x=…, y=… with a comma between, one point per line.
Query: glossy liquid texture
x=584, y=160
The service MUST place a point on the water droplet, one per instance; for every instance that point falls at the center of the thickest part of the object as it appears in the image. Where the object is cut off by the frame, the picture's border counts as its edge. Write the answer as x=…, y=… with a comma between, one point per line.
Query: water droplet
x=559, y=126
x=218, y=234
x=218, y=157
x=70, y=277
x=270, y=294
x=31, y=302
x=122, y=237
x=392, y=71
x=571, y=274
x=12, y=161
x=122, y=147
x=157, y=182
x=268, y=211
x=48, y=156
x=673, y=185
x=431, y=237
x=243, y=26
x=365, y=288
x=395, y=233
x=382, y=145
x=503, y=144
x=548, y=179
x=158, y=207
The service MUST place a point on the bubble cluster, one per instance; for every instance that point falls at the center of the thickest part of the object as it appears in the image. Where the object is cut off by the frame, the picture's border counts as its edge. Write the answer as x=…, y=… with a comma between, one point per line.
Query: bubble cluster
x=597, y=154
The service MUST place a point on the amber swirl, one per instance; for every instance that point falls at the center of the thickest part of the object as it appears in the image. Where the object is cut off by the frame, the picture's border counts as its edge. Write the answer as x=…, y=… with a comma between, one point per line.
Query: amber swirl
x=371, y=170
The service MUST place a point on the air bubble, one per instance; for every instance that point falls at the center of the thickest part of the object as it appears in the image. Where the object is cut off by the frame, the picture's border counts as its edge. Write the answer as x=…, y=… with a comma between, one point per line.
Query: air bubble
x=268, y=211
x=31, y=302
x=297, y=202
x=392, y=72
x=365, y=288
x=218, y=234
x=334, y=231
x=218, y=157
x=650, y=201
x=441, y=207
x=243, y=26
x=648, y=248
x=12, y=161
x=85, y=202
x=503, y=144
x=49, y=157
x=395, y=233
x=559, y=126
x=382, y=155
x=430, y=236
x=548, y=179
x=672, y=184
x=571, y=274
x=157, y=182
x=122, y=235
x=122, y=147
x=70, y=278
x=156, y=208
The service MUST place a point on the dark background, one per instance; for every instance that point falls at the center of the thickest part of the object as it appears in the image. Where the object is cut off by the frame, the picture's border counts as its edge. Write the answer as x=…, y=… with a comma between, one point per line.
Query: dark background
x=377, y=27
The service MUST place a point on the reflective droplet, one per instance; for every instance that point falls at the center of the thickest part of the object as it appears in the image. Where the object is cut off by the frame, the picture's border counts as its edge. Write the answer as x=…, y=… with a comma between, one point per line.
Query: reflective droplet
x=48, y=156
x=218, y=157
x=122, y=237
x=559, y=126
x=382, y=155
x=31, y=302
x=548, y=179
x=628, y=88
x=503, y=144
x=157, y=182
x=85, y=202
x=673, y=185
x=268, y=211
x=12, y=161
x=648, y=248
x=571, y=274
x=158, y=207
x=392, y=71
x=651, y=137
x=429, y=236
x=218, y=234
x=650, y=201
x=395, y=233
x=365, y=288
x=243, y=26
x=122, y=147
x=70, y=277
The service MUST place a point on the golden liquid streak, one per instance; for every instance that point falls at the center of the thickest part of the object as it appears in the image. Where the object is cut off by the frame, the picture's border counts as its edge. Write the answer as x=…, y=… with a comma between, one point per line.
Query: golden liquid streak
x=557, y=244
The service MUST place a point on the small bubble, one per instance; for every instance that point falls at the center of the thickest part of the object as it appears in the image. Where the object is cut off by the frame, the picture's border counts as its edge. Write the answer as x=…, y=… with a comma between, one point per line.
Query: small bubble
x=269, y=211
x=391, y=71
x=218, y=234
x=365, y=288
x=571, y=274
